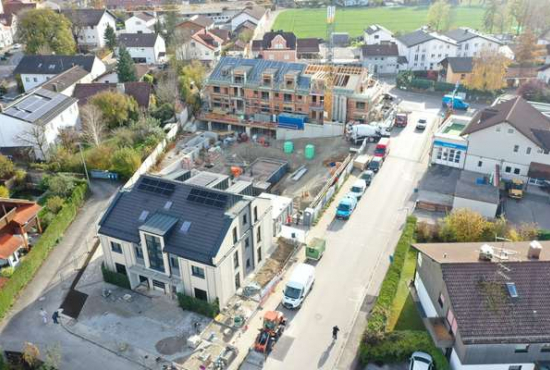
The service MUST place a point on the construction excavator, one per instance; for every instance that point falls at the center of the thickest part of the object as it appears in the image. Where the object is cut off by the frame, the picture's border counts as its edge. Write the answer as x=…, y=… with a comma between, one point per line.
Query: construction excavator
x=273, y=327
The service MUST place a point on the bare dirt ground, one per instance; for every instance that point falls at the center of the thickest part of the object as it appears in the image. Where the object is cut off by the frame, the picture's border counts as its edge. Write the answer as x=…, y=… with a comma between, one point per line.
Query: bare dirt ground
x=275, y=262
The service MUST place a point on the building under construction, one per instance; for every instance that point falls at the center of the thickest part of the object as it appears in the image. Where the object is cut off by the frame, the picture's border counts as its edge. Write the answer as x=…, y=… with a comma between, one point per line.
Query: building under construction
x=260, y=96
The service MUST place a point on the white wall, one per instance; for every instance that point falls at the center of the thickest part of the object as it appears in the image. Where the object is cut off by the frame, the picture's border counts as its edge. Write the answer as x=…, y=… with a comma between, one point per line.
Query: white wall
x=381, y=65
x=151, y=54
x=193, y=49
x=424, y=297
x=473, y=46
x=433, y=52
x=94, y=35
x=137, y=25
x=487, y=210
x=378, y=37
x=30, y=81
x=98, y=68
x=457, y=365
x=311, y=130
x=6, y=36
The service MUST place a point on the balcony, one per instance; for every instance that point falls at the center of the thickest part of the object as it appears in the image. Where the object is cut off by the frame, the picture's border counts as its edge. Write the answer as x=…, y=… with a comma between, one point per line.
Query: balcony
x=231, y=119
x=439, y=332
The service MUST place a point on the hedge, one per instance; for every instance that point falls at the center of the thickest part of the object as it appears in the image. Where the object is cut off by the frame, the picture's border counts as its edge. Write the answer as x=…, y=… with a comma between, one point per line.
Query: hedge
x=115, y=278
x=544, y=234
x=49, y=239
x=380, y=346
x=199, y=306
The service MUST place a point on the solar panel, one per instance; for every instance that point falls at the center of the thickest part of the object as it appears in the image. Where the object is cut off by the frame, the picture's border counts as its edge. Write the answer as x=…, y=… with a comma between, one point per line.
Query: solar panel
x=156, y=186
x=208, y=198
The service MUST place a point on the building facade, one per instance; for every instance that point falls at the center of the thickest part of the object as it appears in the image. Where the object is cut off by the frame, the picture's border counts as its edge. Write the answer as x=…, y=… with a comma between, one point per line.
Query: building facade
x=147, y=48
x=284, y=47
x=381, y=59
x=140, y=23
x=180, y=238
x=377, y=34
x=470, y=43
x=424, y=50
x=90, y=25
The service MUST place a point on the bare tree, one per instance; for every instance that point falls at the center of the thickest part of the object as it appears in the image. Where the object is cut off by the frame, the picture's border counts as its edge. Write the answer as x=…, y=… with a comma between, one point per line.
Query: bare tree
x=34, y=136
x=93, y=124
x=167, y=88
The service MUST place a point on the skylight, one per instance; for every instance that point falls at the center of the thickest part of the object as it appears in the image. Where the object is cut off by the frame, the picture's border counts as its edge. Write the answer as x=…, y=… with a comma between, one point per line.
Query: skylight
x=184, y=229
x=168, y=205
x=143, y=215
x=512, y=290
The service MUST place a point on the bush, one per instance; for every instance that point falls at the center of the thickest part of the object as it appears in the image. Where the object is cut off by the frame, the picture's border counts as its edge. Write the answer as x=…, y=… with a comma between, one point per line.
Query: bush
x=199, y=306
x=54, y=204
x=32, y=262
x=4, y=192
x=115, y=278
x=544, y=235
x=6, y=167
x=126, y=161
x=6, y=272
x=422, y=83
x=99, y=158
x=61, y=185
x=164, y=112
x=20, y=176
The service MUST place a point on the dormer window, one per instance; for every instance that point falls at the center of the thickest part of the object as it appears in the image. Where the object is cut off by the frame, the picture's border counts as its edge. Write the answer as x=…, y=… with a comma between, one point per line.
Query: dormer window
x=154, y=250
x=267, y=80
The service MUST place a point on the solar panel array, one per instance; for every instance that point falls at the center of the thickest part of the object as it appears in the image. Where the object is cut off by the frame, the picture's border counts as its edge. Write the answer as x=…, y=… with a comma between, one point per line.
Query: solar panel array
x=206, y=197
x=156, y=186
x=36, y=105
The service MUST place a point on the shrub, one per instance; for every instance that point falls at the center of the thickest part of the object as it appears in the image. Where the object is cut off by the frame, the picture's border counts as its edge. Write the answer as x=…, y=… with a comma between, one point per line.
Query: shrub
x=20, y=176
x=6, y=272
x=199, y=306
x=6, y=167
x=4, y=192
x=61, y=185
x=32, y=262
x=164, y=112
x=544, y=235
x=126, y=161
x=115, y=278
x=54, y=204
x=99, y=158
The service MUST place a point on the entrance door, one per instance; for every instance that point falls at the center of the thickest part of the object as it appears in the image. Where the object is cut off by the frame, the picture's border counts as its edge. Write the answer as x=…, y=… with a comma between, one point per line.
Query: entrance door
x=143, y=281
x=201, y=294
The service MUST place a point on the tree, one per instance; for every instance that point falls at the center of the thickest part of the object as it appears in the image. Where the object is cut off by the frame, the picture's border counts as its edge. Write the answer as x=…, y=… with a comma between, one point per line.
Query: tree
x=110, y=37
x=40, y=28
x=167, y=89
x=69, y=138
x=496, y=16
x=117, y=108
x=464, y=225
x=126, y=68
x=4, y=192
x=93, y=124
x=33, y=136
x=439, y=15
x=126, y=161
x=246, y=35
x=535, y=90
x=6, y=167
x=518, y=10
x=527, y=51
x=61, y=185
x=488, y=72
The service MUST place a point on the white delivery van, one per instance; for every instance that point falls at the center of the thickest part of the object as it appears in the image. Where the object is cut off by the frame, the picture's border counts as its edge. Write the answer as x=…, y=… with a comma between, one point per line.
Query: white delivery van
x=298, y=286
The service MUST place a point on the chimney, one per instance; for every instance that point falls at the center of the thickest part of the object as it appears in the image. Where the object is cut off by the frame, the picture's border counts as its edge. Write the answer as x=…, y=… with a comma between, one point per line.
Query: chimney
x=486, y=253
x=55, y=87
x=534, y=250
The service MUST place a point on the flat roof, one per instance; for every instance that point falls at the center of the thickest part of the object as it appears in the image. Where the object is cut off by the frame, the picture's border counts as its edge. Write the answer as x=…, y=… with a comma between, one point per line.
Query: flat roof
x=263, y=168
x=454, y=125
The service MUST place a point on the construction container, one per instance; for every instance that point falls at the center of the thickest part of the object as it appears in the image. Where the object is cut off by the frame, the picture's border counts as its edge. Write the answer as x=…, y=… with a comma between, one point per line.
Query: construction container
x=288, y=147
x=310, y=151
x=292, y=121
x=315, y=249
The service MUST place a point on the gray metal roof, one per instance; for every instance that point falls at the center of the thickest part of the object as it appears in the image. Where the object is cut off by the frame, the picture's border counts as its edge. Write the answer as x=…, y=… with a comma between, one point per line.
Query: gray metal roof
x=39, y=107
x=460, y=64
x=468, y=188
x=53, y=64
x=159, y=224
x=144, y=40
x=201, y=223
x=465, y=34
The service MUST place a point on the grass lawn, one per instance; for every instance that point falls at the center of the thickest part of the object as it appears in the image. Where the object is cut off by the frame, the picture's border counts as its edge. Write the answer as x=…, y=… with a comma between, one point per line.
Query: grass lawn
x=404, y=314
x=311, y=22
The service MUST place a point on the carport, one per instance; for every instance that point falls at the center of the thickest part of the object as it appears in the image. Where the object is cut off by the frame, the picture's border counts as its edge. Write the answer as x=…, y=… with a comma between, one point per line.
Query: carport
x=538, y=173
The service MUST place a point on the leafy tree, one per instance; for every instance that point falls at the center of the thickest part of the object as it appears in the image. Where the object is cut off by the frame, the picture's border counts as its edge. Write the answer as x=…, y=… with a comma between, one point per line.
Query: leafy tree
x=110, y=37
x=6, y=167
x=439, y=15
x=61, y=185
x=246, y=35
x=535, y=90
x=43, y=27
x=126, y=68
x=4, y=192
x=527, y=51
x=463, y=225
x=164, y=112
x=117, y=108
x=54, y=204
x=488, y=71
x=126, y=161
x=99, y=157
x=496, y=16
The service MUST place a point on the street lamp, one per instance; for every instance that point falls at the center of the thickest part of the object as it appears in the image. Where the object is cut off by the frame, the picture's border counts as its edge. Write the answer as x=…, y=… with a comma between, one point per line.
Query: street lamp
x=83, y=162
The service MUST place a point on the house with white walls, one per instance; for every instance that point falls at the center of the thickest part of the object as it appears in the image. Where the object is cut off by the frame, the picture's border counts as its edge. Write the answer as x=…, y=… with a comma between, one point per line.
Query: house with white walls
x=148, y=48
x=179, y=237
x=255, y=14
x=204, y=46
x=469, y=42
x=424, y=49
x=141, y=22
x=34, y=70
x=377, y=34
x=31, y=124
x=89, y=25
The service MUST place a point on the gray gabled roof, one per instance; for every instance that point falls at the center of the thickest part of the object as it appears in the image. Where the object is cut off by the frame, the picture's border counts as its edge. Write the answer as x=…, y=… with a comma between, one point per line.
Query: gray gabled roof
x=85, y=17
x=465, y=34
x=143, y=40
x=192, y=230
x=53, y=64
x=39, y=107
x=422, y=36
x=460, y=64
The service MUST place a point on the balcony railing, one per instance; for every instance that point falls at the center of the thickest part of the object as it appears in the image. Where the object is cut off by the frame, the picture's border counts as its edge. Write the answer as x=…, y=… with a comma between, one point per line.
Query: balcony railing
x=233, y=120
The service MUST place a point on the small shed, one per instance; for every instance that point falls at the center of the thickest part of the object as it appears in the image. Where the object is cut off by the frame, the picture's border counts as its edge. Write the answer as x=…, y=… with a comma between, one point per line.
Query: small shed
x=475, y=193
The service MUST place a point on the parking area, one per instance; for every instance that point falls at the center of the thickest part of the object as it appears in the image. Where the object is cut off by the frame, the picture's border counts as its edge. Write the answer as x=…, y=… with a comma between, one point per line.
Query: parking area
x=533, y=208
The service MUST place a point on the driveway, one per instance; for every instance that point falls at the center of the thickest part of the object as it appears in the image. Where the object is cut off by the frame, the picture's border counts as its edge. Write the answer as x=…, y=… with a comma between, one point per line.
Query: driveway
x=48, y=288
x=531, y=209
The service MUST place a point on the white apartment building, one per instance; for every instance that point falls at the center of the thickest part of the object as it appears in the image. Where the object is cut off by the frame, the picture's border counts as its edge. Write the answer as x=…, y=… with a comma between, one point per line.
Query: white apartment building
x=424, y=50
x=147, y=48
x=91, y=25
x=377, y=34
x=140, y=23
x=178, y=237
x=470, y=42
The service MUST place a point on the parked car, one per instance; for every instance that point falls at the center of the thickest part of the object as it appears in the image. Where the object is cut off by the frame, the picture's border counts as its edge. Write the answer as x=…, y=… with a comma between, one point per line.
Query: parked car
x=16, y=46
x=457, y=102
x=346, y=207
x=422, y=124
x=298, y=286
x=358, y=188
x=382, y=148
x=367, y=175
x=376, y=164
x=421, y=361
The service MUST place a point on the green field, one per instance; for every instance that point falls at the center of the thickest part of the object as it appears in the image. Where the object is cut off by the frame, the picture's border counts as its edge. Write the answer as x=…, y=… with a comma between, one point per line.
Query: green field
x=311, y=22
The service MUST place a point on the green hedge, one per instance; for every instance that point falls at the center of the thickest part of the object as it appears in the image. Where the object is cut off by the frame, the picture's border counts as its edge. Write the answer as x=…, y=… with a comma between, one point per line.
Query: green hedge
x=115, y=278
x=544, y=234
x=34, y=259
x=199, y=306
x=422, y=83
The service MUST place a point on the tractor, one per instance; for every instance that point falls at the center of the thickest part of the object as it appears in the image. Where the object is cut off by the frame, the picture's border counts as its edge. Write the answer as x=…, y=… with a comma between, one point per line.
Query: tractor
x=273, y=327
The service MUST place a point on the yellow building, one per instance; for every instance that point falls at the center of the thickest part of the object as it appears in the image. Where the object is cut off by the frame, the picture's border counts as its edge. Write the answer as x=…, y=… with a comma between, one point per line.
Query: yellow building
x=456, y=69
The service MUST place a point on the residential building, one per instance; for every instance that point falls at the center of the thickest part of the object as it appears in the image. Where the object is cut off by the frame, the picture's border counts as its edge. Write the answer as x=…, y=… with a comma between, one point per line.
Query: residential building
x=469, y=42
x=424, y=50
x=111, y=75
x=6, y=36
x=91, y=25
x=456, y=69
x=195, y=24
x=510, y=139
x=283, y=46
x=544, y=74
x=340, y=39
x=253, y=95
x=205, y=46
x=485, y=305
x=349, y=3
x=449, y=148
x=141, y=22
x=236, y=48
x=65, y=82
x=254, y=14
x=133, y=5
x=142, y=92
x=31, y=124
x=308, y=48
x=219, y=12
x=173, y=237
x=146, y=48
x=12, y=9
x=18, y=221
x=281, y=211
x=377, y=34
x=34, y=70
x=381, y=59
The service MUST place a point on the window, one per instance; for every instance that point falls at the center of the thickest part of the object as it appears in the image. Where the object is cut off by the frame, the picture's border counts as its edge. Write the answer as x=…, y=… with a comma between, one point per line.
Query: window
x=498, y=129
x=441, y=300
x=174, y=263
x=528, y=150
x=516, y=148
x=139, y=251
x=516, y=171
x=35, y=79
x=197, y=272
x=287, y=97
x=237, y=280
x=545, y=348
x=247, y=243
x=154, y=249
x=479, y=163
x=522, y=348
x=27, y=79
x=121, y=269
x=514, y=367
x=245, y=220
x=259, y=234
x=116, y=247
x=256, y=214
x=201, y=294
x=159, y=284
x=248, y=263
x=235, y=237
x=259, y=253
x=216, y=89
x=510, y=130
x=265, y=95
x=236, y=260
x=508, y=169
x=360, y=105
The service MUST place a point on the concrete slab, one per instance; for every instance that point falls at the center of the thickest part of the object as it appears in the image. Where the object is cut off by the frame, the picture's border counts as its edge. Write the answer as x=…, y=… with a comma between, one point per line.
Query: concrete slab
x=531, y=209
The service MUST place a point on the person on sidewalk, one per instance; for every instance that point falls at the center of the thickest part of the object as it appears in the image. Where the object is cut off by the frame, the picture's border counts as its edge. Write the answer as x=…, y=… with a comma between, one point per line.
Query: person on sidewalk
x=55, y=317
x=335, y=331
x=44, y=315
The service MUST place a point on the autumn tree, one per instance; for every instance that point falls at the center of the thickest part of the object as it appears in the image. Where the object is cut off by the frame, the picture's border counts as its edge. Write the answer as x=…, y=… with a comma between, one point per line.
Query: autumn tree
x=527, y=51
x=190, y=82
x=126, y=69
x=439, y=15
x=117, y=108
x=126, y=161
x=246, y=35
x=39, y=28
x=93, y=124
x=464, y=225
x=488, y=71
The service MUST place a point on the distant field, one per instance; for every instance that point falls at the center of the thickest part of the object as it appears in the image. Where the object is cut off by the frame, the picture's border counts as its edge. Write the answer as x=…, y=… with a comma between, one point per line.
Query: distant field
x=311, y=22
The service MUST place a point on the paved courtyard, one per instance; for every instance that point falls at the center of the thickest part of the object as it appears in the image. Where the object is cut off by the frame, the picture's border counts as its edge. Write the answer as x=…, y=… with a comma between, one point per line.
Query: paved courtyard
x=533, y=208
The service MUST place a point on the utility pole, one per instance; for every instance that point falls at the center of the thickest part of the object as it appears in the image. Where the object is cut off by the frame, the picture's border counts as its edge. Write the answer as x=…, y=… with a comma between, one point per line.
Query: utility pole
x=84, y=163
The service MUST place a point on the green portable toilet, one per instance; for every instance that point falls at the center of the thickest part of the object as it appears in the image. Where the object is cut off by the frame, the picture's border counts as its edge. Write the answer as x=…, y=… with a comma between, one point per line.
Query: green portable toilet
x=288, y=147
x=310, y=151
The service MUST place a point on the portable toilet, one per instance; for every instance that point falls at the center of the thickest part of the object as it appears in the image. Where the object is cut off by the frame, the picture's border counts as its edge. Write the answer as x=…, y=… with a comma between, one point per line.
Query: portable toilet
x=310, y=151
x=288, y=147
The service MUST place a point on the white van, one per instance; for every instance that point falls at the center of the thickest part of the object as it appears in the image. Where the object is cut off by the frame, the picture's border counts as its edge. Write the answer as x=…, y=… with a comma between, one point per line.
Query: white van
x=298, y=286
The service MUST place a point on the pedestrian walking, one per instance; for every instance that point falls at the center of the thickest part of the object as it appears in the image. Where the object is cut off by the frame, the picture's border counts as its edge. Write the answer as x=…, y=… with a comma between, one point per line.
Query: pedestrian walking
x=55, y=317
x=335, y=331
x=44, y=315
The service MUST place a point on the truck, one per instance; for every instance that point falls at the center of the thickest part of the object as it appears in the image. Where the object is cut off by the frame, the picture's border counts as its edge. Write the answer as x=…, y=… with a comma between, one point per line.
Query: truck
x=361, y=162
x=401, y=120
x=458, y=102
x=346, y=207
x=360, y=132
x=515, y=189
x=382, y=148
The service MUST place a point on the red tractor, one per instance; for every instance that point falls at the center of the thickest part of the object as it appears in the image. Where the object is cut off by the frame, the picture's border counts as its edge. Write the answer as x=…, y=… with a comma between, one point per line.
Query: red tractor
x=272, y=330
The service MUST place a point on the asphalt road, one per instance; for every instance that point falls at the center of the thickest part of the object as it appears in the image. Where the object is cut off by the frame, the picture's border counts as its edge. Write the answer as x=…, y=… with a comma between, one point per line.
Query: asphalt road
x=357, y=254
